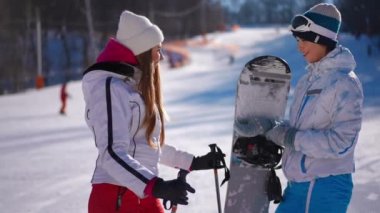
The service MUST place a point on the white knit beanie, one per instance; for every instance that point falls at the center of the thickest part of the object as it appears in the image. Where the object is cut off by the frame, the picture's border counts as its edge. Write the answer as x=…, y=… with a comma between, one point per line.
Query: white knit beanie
x=138, y=33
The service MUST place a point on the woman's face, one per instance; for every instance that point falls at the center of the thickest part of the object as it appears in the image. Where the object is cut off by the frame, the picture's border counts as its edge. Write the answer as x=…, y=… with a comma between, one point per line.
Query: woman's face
x=312, y=52
x=156, y=54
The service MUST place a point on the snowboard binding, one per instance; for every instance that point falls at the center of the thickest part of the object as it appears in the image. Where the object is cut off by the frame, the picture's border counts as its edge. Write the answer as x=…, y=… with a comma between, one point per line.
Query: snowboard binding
x=258, y=151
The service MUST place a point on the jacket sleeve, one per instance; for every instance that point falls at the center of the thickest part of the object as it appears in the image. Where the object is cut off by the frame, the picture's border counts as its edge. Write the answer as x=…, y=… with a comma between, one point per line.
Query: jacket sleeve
x=112, y=119
x=175, y=158
x=346, y=118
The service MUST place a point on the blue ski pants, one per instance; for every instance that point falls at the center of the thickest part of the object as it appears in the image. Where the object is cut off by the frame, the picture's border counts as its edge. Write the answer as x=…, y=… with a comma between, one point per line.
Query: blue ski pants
x=328, y=194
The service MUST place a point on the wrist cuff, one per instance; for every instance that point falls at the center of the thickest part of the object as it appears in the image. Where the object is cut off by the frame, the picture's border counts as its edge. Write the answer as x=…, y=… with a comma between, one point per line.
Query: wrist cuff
x=193, y=163
x=149, y=187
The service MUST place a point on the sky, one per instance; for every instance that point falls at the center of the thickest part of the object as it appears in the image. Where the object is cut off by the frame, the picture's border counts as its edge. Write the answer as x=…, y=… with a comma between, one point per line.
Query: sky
x=47, y=160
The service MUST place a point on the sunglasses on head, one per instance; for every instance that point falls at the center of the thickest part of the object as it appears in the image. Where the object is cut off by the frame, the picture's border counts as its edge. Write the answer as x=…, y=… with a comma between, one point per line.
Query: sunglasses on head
x=301, y=23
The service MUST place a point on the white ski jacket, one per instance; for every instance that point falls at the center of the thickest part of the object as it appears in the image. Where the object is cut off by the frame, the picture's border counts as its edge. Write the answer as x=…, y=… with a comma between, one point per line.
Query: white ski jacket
x=327, y=112
x=114, y=113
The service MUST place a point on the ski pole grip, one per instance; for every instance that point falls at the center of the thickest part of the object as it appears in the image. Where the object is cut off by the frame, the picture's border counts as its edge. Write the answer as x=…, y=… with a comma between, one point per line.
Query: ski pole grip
x=212, y=147
x=182, y=175
x=213, y=150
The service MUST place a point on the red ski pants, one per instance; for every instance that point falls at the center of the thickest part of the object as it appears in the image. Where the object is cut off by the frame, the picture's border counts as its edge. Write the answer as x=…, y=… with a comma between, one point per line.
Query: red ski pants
x=108, y=198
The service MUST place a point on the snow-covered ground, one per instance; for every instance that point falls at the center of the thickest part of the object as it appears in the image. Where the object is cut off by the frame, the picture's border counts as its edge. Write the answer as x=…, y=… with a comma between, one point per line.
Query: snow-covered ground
x=46, y=160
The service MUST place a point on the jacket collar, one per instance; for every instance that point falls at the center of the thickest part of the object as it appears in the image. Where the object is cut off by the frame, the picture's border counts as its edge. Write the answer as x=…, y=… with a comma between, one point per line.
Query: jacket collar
x=119, y=60
x=339, y=59
x=115, y=51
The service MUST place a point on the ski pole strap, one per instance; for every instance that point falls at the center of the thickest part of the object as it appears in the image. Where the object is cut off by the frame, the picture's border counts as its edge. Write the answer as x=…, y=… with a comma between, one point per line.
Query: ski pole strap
x=216, y=149
x=274, y=189
x=165, y=202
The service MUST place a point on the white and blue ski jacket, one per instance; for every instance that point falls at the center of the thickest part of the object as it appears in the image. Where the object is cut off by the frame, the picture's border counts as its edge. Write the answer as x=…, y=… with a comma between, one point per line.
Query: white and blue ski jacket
x=327, y=112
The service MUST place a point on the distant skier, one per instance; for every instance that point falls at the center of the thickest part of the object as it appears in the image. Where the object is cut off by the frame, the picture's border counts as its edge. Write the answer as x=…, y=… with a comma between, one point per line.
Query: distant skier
x=325, y=119
x=63, y=97
x=231, y=58
x=125, y=112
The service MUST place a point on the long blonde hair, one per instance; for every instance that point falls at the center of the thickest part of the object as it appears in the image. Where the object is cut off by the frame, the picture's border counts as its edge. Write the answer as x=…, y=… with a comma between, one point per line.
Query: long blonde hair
x=150, y=88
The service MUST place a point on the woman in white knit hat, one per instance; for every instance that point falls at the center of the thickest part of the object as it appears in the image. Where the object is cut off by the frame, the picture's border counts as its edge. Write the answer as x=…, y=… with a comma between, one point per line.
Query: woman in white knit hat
x=124, y=110
x=324, y=120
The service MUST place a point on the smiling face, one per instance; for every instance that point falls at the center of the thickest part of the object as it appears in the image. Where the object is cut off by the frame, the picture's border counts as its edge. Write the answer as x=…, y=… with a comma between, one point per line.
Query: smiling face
x=312, y=52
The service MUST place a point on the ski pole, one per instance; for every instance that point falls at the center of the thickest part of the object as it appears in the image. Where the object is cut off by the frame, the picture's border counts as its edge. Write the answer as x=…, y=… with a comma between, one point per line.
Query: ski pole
x=181, y=176
x=213, y=149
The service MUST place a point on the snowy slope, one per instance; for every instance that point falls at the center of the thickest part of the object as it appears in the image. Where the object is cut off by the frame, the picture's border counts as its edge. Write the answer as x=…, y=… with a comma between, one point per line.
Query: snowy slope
x=46, y=160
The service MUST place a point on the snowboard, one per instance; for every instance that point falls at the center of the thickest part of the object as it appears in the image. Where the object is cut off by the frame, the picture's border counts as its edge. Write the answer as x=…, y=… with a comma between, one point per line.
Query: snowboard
x=262, y=91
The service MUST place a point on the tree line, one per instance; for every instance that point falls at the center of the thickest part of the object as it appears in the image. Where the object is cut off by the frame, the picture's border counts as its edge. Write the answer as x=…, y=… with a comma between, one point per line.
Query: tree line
x=73, y=30
x=360, y=17
x=66, y=41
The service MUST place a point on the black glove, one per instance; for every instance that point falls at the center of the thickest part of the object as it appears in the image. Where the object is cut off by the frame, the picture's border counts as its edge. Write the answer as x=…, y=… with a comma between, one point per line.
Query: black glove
x=173, y=190
x=212, y=160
